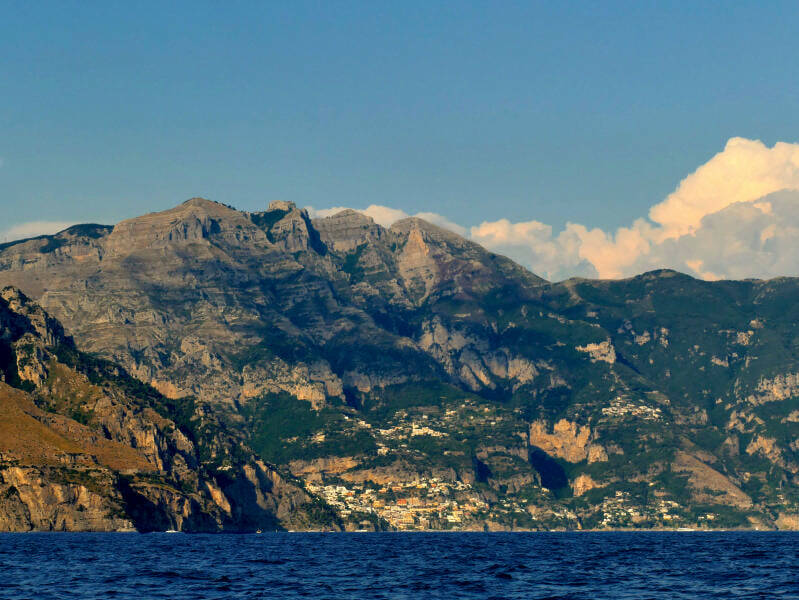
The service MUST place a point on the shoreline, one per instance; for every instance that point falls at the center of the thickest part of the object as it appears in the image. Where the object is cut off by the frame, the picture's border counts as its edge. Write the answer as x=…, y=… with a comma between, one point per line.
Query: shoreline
x=413, y=531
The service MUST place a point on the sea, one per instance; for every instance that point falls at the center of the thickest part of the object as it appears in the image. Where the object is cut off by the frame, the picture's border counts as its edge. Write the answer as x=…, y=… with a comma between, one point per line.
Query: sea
x=567, y=565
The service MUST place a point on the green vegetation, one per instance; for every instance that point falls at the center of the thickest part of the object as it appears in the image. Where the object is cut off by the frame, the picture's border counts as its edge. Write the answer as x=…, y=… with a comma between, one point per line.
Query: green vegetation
x=93, y=480
x=281, y=428
x=458, y=362
x=275, y=342
x=350, y=265
x=385, y=402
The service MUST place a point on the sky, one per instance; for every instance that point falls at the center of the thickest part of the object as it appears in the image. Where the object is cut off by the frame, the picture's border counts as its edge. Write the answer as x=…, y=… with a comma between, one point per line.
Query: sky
x=592, y=139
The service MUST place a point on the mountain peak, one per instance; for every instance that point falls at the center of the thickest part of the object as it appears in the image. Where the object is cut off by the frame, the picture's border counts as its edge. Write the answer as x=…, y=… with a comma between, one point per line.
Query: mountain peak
x=408, y=224
x=438, y=236
x=203, y=204
x=282, y=205
x=194, y=219
x=198, y=201
x=661, y=274
x=348, y=229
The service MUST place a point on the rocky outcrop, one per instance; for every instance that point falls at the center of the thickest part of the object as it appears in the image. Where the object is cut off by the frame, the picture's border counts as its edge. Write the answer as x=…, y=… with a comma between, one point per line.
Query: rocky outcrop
x=83, y=447
x=315, y=470
x=472, y=359
x=417, y=268
x=567, y=440
x=320, y=340
x=774, y=389
x=787, y=521
x=600, y=352
x=292, y=233
x=348, y=230
x=770, y=449
x=582, y=484
x=708, y=484
x=32, y=499
x=195, y=221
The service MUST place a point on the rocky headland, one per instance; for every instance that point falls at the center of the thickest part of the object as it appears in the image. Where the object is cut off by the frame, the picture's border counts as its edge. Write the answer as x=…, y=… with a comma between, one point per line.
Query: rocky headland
x=207, y=369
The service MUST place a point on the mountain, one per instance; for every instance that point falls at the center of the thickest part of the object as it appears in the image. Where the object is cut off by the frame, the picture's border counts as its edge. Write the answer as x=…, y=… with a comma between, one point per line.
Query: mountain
x=84, y=446
x=406, y=376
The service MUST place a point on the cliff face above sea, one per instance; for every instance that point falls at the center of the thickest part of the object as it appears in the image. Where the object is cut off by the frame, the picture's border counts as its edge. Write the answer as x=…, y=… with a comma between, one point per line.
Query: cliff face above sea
x=254, y=370
x=85, y=447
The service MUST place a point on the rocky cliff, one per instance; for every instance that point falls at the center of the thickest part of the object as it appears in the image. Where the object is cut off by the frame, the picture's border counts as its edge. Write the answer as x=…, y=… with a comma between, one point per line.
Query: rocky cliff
x=361, y=359
x=83, y=446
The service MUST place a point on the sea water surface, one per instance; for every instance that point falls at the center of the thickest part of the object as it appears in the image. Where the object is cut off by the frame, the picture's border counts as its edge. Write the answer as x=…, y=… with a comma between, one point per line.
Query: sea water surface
x=401, y=565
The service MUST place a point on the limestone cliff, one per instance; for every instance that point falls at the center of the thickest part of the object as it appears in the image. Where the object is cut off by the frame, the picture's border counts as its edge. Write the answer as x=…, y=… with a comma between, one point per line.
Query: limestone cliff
x=344, y=353
x=83, y=447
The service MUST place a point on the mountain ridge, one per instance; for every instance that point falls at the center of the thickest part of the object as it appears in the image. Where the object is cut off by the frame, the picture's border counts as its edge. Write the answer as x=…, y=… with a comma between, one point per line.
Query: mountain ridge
x=85, y=447
x=355, y=357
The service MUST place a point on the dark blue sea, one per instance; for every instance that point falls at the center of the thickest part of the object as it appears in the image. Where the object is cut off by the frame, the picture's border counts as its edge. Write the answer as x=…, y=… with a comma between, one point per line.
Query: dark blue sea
x=401, y=565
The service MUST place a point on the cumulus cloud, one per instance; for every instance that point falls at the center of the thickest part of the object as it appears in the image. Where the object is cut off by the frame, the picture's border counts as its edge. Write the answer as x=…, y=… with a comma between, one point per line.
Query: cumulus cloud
x=745, y=239
x=745, y=171
x=321, y=213
x=33, y=229
x=384, y=215
x=736, y=216
x=532, y=244
x=730, y=218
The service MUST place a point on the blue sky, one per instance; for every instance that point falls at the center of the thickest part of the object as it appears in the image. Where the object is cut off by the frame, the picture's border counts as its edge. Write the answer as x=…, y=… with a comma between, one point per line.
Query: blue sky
x=546, y=111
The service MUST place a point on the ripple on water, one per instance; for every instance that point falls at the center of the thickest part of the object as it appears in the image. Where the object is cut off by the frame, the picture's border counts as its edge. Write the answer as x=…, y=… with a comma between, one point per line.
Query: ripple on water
x=510, y=566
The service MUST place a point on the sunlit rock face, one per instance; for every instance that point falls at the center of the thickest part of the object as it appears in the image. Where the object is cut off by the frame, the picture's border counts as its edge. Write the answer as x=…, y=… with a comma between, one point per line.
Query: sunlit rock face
x=181, y=297
x=338, y=349
x=85, y=447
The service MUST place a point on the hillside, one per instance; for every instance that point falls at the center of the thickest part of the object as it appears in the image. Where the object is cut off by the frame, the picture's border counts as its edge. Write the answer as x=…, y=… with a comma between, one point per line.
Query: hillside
x=85, y=447
x=409, y=375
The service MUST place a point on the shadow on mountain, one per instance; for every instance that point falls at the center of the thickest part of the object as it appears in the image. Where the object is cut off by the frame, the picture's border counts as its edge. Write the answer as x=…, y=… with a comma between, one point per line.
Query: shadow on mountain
x=553, y=476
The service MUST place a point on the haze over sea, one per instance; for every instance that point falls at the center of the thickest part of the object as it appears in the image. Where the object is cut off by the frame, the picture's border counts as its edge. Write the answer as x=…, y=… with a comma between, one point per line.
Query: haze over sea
x=620, y=565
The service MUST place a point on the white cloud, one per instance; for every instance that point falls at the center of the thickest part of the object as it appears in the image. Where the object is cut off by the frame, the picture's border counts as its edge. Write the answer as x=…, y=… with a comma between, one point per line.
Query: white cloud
x=324, y=212
x=33, y=229
x=741, y=240
x=745, y=171
x=736, y=216
x=728, y=219
x=532, y=244
x=384, y=215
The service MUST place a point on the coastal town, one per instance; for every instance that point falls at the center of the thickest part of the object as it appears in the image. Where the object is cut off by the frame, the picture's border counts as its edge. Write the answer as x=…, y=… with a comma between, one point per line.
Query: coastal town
x=421, y=504
x=430, y=500
x=619, y=511
x=431, y=504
